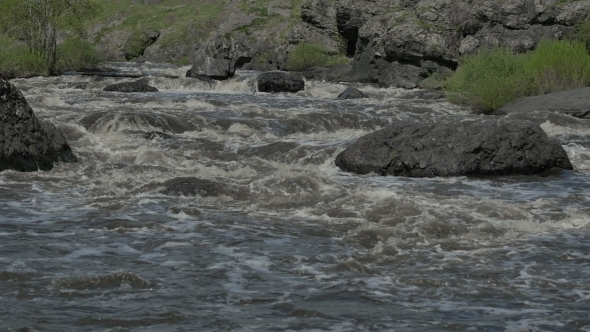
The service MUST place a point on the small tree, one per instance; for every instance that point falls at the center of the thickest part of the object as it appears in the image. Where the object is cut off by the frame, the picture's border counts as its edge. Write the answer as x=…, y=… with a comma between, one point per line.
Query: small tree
x=37, y=22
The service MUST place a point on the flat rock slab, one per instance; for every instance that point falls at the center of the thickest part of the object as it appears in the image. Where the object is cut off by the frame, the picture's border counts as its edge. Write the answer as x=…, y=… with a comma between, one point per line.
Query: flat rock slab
x=141, y=85
x=27, y=144
x=274, y=82
x=479, y=147
x=572, y=102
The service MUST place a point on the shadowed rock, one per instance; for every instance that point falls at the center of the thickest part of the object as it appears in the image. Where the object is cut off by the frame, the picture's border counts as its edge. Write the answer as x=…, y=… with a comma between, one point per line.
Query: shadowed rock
x=280, y=82
x=156, y=134
x=212, y=68
x=26, y=144
x=482, y=147
x=352, y=93
x=135, y=86
x=572, y=102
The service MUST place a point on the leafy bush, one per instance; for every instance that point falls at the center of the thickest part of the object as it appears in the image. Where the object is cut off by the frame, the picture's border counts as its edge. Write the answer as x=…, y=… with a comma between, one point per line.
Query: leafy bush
x=307, y=55
x=16, y=59
x=76, y=54
x=493, y=77
x=487, y=80
x=581, y=33
x=556, y=66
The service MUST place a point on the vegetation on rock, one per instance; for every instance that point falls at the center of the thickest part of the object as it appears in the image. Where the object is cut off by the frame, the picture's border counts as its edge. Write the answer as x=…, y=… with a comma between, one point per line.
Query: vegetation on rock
x=494, y=76
x=307, y=55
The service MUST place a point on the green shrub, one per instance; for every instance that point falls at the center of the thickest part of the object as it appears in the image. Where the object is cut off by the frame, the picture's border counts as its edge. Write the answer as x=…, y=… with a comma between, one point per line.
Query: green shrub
x=487, y=80
x=307, y=55
x=75, y=55
x=493, y=77
x=556, y=66
x=135, y=46
x=16, y=59
x=581, y=33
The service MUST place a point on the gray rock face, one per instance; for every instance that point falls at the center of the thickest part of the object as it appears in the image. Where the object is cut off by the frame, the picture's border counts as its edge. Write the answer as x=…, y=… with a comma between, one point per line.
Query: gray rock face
x=352, y=93
x=572, y=102
x=141, y=85
x=393, y=42
x=482, y=147
x=280, y=82
x=217, y=69
x=26, y=144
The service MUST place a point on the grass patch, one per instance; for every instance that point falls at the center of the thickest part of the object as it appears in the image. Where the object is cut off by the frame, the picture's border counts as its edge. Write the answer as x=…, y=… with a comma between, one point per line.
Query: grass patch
x=307, y=55
x=76, y=54
x=180, y=15
x=581, y=32
x=16, y=60
x=494, y=77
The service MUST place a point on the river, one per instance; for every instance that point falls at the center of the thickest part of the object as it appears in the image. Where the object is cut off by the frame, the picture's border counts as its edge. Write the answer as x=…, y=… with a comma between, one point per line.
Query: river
x=292, y=243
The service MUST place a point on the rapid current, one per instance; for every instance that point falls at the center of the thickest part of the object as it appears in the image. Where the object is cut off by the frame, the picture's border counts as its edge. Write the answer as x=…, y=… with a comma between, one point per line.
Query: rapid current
x=292, y=243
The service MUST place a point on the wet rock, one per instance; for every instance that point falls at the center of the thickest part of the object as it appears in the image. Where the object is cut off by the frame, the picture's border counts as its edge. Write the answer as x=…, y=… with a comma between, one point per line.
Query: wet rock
x=212, y=68
x=135, y=86
x=27, y=144
x=575, y=103
x=337, y=73
x=280, y=82
x=352, y=93
x=190, y=186
x=156, y=134
x=480, y=147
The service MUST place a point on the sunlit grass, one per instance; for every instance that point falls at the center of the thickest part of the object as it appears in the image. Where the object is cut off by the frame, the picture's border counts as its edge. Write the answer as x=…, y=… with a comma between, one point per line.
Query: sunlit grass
x=494, y=77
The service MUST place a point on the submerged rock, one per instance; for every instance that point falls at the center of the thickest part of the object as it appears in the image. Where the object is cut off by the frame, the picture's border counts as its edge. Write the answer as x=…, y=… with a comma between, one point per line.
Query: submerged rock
x=352, y=93
x=27, y=144
x=482, y=147
x=191, y=186
x=571, y=102
x=135, y=86
x=280, y=82
x=156, y=134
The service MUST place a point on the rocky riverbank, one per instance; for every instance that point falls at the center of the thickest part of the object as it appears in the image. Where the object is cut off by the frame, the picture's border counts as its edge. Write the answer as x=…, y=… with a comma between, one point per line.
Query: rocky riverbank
x=391, y=42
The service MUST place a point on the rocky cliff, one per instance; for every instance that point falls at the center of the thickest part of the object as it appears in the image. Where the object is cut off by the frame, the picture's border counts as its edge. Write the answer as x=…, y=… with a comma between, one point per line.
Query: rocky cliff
x=389, y=42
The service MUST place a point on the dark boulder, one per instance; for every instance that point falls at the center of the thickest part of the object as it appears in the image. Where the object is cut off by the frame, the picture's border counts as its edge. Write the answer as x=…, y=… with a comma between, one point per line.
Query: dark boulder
x=141, y=85
x=280, y=82
x=336, y=73
x=572, y=102
x=480, y=147
x=26, y=144
x=212, y=68
x=352, y=93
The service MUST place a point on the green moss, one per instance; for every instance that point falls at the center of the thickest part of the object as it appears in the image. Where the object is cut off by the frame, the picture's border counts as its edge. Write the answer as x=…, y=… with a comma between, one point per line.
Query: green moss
x=307, y=55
